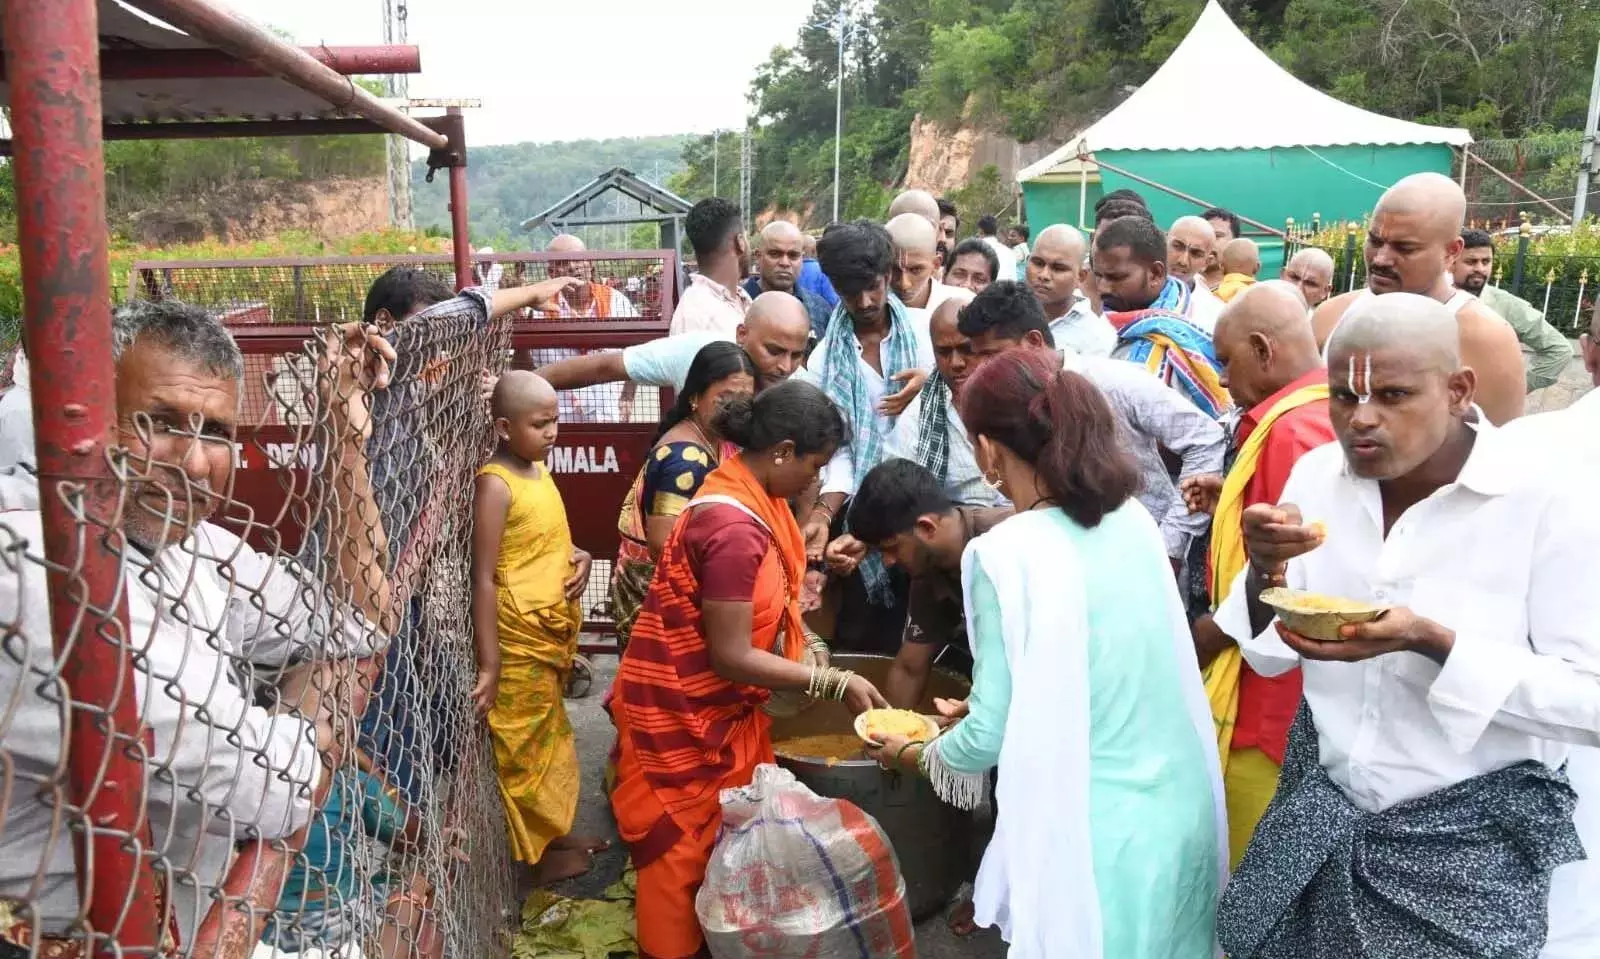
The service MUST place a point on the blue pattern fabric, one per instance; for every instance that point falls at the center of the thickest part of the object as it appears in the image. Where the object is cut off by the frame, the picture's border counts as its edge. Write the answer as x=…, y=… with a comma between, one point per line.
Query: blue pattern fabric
x=1458, y=874
x=844, y=384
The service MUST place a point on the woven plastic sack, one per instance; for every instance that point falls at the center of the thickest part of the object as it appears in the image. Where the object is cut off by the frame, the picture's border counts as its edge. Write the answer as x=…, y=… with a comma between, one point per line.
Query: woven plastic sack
x=797, y=875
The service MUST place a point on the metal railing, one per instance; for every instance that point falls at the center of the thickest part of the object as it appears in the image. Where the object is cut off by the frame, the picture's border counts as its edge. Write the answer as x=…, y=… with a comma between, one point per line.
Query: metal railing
x=1558, y=284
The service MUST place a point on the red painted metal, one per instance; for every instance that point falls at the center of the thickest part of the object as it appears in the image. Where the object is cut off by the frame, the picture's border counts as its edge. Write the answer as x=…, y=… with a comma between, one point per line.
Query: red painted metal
x=243, y=39
x=210, y=64
x=460, y=235
x=52, y=48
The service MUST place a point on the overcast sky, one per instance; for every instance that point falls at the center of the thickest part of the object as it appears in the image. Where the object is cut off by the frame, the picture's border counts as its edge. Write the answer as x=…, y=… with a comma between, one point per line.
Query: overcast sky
x=568, y=69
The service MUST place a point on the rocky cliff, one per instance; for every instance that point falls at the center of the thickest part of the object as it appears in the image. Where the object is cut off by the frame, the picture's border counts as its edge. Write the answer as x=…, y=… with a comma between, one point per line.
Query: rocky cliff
x=942, y=159
x=330, y=208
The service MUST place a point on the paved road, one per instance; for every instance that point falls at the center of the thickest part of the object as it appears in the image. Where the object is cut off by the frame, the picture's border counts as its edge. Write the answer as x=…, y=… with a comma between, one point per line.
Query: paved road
x=595, y=736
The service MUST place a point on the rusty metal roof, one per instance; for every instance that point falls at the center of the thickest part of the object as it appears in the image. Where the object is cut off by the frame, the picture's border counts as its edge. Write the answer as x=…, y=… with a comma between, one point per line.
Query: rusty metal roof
x=139, y=92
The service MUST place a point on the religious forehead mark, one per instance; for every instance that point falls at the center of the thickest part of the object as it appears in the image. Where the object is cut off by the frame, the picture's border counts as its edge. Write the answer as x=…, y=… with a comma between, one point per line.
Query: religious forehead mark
x=1363, y=392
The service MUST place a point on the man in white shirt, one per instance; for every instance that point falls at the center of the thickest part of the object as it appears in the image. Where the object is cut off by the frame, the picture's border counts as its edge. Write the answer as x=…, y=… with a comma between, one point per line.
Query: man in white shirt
x=988, y=227
x=1421, y=810
x=915, y=279
x=871, y=363
x=1569, y=441
x=1190, y=247
x=871, y=366
x=775, y=334
x=1152, y=417
x=213, y=623
x=1055, y=275
x=584, y=300
x=715, y=302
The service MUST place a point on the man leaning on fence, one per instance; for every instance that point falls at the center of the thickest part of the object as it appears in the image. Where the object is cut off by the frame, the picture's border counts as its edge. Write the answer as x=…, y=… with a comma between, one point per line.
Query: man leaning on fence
x=217, y=627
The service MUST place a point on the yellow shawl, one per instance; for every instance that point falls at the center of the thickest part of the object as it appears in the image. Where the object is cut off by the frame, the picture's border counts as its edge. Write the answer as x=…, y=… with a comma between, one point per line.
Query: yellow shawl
x=1228, y=558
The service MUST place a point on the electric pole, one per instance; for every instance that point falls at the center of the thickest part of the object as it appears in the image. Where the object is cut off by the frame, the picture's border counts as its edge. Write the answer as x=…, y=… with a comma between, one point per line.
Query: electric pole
x=397, y=158
x=746, y=172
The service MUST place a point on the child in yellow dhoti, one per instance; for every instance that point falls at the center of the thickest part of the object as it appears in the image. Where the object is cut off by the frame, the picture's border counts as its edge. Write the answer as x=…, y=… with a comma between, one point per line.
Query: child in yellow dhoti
x=526, y=580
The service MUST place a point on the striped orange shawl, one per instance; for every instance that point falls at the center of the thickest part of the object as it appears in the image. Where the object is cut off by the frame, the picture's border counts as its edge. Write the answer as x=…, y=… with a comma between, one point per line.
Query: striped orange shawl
x=684, y=732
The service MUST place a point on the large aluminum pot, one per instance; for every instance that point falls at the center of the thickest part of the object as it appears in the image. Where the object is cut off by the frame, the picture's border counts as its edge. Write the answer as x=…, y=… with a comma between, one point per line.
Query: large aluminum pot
x=933, y=840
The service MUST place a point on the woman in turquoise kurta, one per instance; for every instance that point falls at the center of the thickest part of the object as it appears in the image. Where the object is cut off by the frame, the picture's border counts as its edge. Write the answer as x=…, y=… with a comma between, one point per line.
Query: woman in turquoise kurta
x=1110, y=838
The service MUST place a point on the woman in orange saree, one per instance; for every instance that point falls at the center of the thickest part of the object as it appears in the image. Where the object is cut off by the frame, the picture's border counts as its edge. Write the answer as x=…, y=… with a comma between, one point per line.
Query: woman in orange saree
x=719, y=631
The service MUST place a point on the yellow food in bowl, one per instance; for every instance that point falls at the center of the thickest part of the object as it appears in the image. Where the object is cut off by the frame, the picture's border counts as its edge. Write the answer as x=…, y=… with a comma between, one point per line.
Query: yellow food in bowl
x=1317, y=616
x=878, y=724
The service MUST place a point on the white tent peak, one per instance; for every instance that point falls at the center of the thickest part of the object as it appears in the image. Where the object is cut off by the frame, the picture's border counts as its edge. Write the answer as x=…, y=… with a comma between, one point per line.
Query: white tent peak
x=1216, y=54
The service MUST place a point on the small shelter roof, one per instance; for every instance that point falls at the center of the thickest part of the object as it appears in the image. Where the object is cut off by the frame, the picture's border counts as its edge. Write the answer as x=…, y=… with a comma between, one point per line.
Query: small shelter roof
x=573, y=208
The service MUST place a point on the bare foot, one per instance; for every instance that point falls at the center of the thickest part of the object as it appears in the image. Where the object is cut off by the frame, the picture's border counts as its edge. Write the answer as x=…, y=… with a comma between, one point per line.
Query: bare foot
x=561, y=864
x=961, y=919
x=587, y=844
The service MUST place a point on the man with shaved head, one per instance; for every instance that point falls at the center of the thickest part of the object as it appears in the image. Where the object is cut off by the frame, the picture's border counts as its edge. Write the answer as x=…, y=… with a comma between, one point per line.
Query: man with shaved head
x=779, y=258
x=1241, y=262
x=775, y=333
x=1422, y=808
x=586, y=300
x=1414, y=237
x=915, y=279
x=920, y=202
x=1191, y=246
x=930, y=430
x=1271, y=366
x=1055, y=275
x=1311, y=270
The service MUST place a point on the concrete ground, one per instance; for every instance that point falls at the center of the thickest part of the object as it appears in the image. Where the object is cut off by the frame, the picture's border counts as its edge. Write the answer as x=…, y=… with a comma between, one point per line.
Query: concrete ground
x=595, y=736
x=1564, y=392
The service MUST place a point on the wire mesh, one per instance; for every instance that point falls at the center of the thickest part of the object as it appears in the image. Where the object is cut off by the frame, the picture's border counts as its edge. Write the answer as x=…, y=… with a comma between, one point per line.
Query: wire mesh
x=297, y=641
x=627, y=297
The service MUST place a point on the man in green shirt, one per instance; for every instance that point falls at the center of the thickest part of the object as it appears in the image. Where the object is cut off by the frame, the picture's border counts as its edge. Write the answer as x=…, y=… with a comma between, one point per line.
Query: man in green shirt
x=1545, y=351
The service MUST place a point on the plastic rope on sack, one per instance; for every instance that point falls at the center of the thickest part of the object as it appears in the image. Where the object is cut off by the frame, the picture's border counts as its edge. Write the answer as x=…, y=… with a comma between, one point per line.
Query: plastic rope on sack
x=795, y=874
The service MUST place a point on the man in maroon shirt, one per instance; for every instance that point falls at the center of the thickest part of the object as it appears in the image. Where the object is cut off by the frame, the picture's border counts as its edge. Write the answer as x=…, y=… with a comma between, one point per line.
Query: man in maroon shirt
x=1271, y=366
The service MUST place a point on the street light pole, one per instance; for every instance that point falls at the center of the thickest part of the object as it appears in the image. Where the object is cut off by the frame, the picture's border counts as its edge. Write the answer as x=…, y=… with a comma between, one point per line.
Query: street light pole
x=838, y=112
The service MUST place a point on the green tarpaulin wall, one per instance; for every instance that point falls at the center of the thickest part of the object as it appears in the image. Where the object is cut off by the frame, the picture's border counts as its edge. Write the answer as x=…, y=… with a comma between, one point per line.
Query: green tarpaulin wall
x=1339, y=182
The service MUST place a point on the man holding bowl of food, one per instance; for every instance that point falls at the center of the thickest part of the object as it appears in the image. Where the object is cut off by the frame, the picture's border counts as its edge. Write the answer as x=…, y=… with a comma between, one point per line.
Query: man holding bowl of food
x=1423, y=809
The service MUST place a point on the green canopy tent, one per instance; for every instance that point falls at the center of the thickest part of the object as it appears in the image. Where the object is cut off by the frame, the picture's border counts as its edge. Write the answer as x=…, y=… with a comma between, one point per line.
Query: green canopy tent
x=1298, y=152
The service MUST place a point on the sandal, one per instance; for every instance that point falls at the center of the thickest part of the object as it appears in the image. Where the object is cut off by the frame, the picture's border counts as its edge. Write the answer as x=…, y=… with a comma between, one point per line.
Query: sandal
x=580, y=680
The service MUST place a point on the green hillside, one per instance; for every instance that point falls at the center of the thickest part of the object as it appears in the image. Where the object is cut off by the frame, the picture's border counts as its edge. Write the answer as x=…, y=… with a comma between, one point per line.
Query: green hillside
x=507, y=184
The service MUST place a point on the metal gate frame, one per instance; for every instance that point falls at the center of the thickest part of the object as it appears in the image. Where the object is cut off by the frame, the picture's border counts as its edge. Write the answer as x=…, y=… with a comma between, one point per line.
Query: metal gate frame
x=53, y=66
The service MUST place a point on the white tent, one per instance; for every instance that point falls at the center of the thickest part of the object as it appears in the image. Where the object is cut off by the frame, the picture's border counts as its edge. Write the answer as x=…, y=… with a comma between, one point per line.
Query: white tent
x=1285, y=112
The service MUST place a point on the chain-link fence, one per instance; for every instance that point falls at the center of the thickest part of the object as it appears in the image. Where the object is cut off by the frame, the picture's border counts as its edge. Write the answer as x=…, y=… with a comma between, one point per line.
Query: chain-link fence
x=606, y=430
x=1560, y=282
x=305, y=774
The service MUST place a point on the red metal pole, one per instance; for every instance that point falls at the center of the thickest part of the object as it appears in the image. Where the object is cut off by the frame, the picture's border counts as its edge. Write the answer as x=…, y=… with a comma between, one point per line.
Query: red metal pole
x=460, y=238
x=52, y=49
x=212, y=64
x=245, y=40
